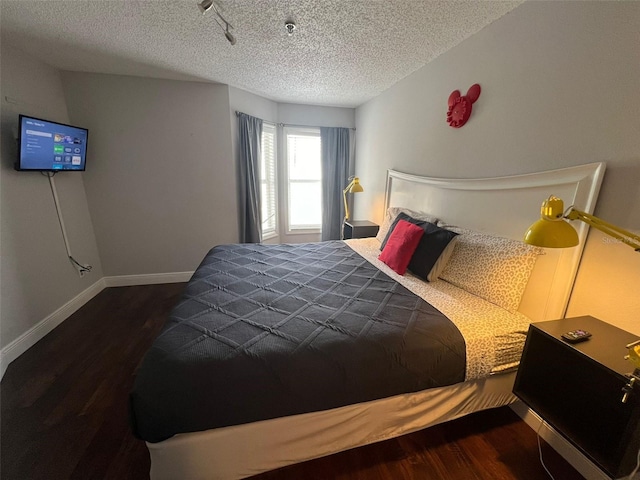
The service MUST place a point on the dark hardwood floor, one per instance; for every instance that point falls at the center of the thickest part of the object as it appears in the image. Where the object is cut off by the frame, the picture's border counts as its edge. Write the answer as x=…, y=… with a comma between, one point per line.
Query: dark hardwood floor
x=64, y=412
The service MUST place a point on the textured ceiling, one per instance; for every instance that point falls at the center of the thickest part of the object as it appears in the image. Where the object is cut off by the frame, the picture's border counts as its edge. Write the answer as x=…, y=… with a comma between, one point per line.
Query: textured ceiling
x=343, y=52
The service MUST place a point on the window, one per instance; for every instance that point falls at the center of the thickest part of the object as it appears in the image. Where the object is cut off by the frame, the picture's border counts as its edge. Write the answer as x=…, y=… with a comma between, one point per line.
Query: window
x=304, y=177
x=290, y=181
x=268, y=181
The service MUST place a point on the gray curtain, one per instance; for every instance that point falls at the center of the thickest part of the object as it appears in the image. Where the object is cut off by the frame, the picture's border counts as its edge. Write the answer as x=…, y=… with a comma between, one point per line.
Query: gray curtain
x=335, y=176
x=250, y=144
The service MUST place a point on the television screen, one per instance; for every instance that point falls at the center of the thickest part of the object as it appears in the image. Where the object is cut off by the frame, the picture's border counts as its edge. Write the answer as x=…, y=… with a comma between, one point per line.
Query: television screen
x=51, y=146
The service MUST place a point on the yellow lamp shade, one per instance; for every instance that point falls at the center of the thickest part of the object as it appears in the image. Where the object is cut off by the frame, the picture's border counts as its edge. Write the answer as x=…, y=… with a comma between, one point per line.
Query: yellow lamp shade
x=551, y=231
x=356, y=187
x=551, y=234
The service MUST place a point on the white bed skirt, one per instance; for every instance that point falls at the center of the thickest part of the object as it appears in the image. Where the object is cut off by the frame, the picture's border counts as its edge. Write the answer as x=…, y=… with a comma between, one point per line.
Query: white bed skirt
x=244, y=450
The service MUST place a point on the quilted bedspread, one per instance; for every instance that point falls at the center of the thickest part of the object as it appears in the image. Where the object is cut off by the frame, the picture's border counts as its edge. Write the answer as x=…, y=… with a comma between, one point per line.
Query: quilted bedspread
x=265, y=331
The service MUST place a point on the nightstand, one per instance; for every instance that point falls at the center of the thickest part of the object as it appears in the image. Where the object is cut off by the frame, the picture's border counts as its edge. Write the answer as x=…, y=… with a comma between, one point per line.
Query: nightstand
x=577, y=389
x=360, y=229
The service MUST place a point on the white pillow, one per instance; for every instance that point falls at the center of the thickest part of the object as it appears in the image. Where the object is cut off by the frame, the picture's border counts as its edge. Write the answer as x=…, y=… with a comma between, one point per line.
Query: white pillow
x=392, y=213
x=494, y=268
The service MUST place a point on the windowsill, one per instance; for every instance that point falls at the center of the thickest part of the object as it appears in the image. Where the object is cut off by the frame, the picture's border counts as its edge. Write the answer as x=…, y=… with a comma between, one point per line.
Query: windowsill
x=303, y=231
x=270, y=236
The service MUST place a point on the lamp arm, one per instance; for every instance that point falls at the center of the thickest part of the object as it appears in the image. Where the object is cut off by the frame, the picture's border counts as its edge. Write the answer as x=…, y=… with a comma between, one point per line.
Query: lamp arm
x=614, y=231
x=344, y=197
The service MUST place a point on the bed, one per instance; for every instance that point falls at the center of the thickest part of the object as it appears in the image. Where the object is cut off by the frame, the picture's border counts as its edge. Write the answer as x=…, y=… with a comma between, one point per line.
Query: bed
x=342, y=293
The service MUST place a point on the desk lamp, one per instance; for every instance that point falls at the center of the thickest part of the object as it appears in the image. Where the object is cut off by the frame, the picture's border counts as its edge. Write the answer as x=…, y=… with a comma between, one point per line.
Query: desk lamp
x=353, y=187
x=552, y=231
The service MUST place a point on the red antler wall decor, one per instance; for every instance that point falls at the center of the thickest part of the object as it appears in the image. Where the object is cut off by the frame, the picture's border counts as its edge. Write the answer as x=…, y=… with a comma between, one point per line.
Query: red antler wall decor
x=460, y=107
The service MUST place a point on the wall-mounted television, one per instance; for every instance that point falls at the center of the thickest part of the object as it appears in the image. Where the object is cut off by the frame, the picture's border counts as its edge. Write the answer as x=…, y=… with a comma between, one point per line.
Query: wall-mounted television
x=50, y=146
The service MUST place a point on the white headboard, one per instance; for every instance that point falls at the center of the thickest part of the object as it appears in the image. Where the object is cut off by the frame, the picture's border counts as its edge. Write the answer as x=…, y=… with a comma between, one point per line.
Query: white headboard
x=507, y=206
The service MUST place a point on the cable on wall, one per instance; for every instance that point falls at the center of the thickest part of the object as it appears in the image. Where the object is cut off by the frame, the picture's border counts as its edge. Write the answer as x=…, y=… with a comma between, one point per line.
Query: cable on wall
x=635, y=470
x=81, y=269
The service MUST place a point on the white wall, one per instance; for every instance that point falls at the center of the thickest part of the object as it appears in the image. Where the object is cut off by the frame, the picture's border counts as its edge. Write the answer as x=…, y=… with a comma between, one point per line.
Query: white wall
x=559, y=88
x=36, y=276
x=160, y=181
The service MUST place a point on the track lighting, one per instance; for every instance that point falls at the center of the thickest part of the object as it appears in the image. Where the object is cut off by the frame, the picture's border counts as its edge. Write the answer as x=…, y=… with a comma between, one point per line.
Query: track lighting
x=229, y=35
x=205, y=6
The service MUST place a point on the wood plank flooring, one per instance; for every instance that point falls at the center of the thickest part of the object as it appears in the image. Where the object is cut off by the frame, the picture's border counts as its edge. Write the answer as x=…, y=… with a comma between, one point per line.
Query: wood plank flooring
x=64, y=413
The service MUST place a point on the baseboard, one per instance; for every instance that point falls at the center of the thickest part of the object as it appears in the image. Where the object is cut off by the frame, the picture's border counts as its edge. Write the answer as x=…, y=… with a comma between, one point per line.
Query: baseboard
x=29, y=338
x=570, y=453
x=148, y=279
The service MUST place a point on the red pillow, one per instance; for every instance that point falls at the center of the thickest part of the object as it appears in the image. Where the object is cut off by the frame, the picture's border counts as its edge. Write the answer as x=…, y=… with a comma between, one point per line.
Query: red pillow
x=402, y=243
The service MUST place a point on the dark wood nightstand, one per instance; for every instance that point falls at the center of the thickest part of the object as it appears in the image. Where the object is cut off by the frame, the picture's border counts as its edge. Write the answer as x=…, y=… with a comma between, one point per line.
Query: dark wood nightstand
x=360, y=229
x=577, y=389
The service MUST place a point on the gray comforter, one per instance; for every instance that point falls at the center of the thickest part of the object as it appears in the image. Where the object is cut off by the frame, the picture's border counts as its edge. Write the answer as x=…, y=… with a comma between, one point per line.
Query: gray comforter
x=265, y=331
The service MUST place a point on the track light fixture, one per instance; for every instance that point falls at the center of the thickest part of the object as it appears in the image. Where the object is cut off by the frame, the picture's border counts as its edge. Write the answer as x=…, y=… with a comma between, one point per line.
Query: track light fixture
x=205, y=6
x=229, y=35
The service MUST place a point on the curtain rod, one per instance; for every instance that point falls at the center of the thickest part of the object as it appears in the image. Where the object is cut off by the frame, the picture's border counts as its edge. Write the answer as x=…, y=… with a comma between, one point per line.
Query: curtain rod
x=306, y=126
x=292, y=124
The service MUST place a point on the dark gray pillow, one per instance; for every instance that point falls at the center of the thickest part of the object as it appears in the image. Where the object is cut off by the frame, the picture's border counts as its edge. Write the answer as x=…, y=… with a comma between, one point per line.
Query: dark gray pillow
x=431, y=246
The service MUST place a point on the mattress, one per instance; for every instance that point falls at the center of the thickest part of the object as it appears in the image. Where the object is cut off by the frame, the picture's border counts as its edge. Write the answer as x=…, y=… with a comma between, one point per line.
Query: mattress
x=268, y=331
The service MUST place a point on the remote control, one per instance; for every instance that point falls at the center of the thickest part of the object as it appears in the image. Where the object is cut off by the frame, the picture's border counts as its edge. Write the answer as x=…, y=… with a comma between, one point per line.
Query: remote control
x=576, y=336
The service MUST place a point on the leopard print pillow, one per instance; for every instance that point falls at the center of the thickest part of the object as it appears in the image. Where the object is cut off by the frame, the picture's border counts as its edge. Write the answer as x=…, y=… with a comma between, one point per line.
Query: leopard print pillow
x=494, y=268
